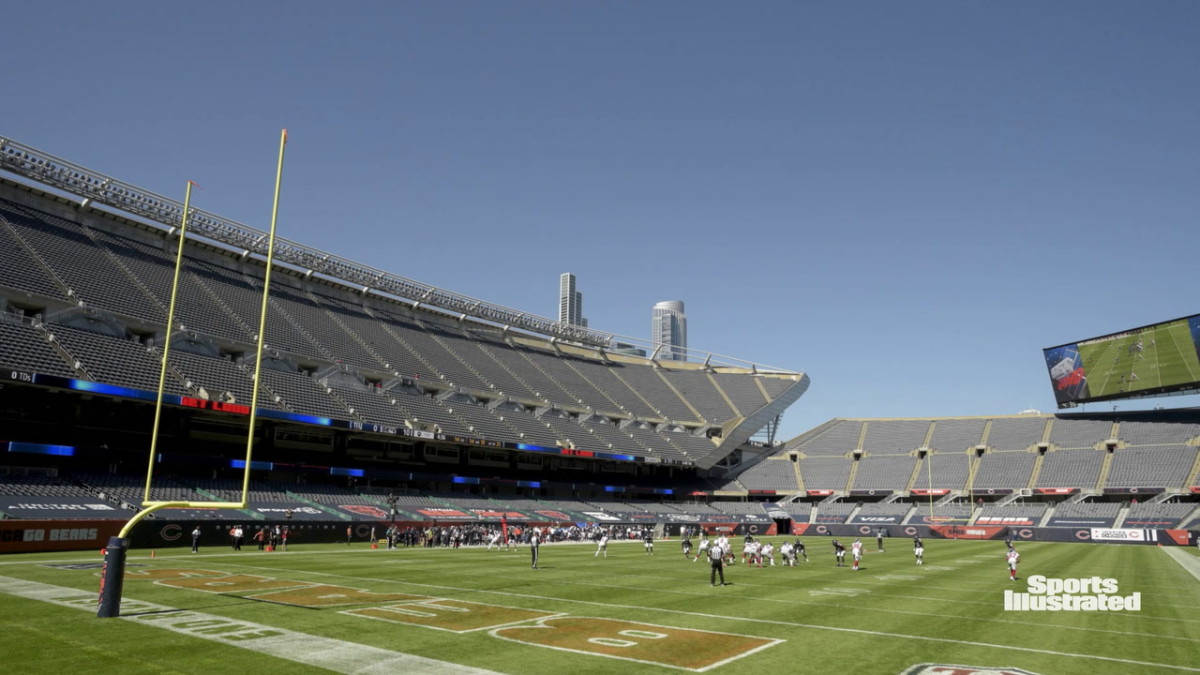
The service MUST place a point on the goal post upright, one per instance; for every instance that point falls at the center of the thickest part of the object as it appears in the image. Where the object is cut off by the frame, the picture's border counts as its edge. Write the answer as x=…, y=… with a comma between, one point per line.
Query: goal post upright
x=113, y=575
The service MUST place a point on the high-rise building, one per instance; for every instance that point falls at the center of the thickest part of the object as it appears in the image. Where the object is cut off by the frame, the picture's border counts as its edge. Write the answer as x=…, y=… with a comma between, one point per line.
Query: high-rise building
x=570, y=302
x=668, y=326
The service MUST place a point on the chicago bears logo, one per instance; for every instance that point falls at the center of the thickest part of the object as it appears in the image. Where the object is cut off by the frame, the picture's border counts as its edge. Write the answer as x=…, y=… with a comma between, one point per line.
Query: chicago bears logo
x=364, y=510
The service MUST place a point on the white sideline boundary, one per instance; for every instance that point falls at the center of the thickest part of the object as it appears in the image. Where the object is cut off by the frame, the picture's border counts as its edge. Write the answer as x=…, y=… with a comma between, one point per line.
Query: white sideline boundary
x=1188, y=562
x=332, y=654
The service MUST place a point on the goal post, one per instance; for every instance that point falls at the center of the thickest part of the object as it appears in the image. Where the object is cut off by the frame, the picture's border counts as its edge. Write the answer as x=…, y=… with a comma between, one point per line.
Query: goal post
x=112, y=577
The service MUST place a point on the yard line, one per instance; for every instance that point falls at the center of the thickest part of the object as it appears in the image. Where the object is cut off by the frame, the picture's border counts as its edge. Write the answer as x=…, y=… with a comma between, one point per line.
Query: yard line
x=1190, y=564
x=1040, y=624
x=1181, y=356
x=340, y=656
x=775, y=622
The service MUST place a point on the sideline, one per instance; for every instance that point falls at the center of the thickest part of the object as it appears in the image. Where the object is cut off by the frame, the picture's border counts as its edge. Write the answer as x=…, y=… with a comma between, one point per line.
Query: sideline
x=323, y=652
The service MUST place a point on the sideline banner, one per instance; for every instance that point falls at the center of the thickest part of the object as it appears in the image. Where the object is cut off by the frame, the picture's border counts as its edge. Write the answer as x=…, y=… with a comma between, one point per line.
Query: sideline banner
x=30, y=536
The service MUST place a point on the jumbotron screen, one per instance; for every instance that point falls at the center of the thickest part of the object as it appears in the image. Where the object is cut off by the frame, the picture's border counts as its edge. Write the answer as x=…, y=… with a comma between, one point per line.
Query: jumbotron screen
x=1160, y=359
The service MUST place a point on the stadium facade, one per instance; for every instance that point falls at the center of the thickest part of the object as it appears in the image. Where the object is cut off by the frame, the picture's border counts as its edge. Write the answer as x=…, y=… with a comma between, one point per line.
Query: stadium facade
x=461, y=410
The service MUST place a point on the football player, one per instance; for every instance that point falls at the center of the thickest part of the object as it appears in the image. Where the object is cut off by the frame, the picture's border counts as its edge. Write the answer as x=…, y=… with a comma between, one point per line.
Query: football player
x=800, y=550
x=767, y=552
x=1013, y=558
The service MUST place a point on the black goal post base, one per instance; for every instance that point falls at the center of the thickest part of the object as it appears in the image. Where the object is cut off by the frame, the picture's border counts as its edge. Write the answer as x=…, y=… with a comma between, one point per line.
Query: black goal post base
x=112, y=578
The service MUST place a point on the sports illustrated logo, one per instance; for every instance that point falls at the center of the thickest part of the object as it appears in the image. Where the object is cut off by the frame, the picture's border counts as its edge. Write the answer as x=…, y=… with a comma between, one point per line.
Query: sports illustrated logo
x=1071, y=595
x=949, y=669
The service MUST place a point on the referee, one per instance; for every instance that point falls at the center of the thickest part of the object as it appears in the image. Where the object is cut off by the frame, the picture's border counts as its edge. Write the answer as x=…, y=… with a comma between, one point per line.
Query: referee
x=716, y=556
x=534, y=541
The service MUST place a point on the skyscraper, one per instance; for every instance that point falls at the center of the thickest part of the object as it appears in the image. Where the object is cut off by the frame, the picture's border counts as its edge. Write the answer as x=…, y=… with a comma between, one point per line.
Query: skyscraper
x=668, y=325
x=570, y=302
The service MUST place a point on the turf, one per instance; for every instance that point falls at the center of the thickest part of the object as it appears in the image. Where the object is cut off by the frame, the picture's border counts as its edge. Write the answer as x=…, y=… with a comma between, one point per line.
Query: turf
x=1168, y=357
x=883, y=619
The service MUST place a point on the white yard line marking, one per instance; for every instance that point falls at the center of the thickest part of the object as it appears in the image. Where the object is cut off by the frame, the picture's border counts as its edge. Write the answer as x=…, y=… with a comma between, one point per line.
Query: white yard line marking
x=786, y=623
x=1187, y=561
x=338, y=656
x=1179, y=351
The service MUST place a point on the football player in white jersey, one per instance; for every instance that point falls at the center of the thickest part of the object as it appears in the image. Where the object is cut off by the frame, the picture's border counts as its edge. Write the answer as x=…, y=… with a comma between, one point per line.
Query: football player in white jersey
x=1013, y=558
x=726, y=549
x=494, y=541
x=787, y=554
x=703, y=548
x=767, y=552
x=856, y=549
x=602, y=545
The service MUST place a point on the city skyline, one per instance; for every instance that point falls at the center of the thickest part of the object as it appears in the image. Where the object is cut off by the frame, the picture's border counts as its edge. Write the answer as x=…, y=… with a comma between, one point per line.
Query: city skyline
x=570, y=302
x=668, y=327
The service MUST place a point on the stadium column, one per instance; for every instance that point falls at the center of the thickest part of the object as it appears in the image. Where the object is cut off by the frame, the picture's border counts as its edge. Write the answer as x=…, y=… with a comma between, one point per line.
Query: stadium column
x=112, y=578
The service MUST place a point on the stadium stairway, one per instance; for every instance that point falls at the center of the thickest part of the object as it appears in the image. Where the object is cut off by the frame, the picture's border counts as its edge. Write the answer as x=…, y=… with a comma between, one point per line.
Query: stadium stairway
x=403, y=343
x=916, y=473
x=729, y=401
x=1194, y=476
x=853, y=473
x=33, y=255
x=131, y=277
x=1121, y=515
x=976, y=462
x=1190, y=517
x=1104, y=469
x=853, y=513
x=1048, y=515
x=1037, y=471
x=74, y=364
x=366, y=346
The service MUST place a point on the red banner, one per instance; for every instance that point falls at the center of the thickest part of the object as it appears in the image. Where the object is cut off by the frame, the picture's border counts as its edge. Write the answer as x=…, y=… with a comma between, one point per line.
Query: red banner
x=969, y=531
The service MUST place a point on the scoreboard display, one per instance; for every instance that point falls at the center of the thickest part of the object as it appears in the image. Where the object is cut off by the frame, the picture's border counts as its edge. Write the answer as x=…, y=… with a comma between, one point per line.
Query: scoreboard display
x=1155, y=360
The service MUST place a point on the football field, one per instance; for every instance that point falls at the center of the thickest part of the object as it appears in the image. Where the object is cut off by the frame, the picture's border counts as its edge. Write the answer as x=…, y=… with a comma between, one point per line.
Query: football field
x=1167, y=356
x=350, y=609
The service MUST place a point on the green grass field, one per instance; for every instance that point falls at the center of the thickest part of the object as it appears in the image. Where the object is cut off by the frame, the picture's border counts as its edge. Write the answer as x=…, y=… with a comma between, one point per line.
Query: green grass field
x=1167, y=357
x=629, y=613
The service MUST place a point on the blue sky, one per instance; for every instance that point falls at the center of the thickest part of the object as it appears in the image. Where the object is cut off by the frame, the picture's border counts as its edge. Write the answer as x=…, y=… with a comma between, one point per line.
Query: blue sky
x=907, y=200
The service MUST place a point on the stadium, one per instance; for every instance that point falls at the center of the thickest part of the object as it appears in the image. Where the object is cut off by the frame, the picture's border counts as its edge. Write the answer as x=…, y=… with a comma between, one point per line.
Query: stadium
x=401, y=426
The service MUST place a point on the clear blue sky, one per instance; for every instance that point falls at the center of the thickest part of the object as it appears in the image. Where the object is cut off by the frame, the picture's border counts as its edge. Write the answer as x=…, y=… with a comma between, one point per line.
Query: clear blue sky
x=907, y=200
